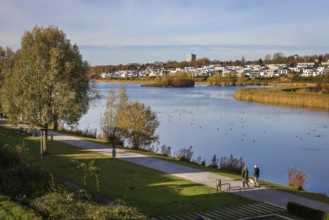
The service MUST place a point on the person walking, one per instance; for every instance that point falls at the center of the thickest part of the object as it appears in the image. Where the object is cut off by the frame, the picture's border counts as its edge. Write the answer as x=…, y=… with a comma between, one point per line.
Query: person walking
x=245, y=176
x=256, y=175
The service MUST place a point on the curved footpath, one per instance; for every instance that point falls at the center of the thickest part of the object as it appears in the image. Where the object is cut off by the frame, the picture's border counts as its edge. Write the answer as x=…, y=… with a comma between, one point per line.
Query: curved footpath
x=262, y=194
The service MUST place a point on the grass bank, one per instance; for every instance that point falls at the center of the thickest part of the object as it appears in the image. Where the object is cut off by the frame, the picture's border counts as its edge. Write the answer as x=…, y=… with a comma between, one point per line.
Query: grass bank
x=299, y=97
x=311, y=195
x=153, y=192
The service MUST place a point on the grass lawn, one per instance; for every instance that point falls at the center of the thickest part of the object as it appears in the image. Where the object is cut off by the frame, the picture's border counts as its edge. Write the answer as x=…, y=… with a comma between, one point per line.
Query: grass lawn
x=153, y=192
x=11, y=210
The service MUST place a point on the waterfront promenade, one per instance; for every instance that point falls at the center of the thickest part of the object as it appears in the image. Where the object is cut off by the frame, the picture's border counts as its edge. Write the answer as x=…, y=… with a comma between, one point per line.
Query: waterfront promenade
x=262, y=194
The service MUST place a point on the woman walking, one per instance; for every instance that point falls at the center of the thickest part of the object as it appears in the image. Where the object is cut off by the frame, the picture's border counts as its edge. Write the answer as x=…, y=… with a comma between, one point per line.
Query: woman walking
x=245, y=176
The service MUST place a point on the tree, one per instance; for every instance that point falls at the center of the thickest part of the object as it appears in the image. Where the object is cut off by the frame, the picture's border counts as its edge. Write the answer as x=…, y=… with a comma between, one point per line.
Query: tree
x=6, y=64
x=278, y=57
x=109, y=122
x=137, y=123
x=268, y=58
x=49, y=81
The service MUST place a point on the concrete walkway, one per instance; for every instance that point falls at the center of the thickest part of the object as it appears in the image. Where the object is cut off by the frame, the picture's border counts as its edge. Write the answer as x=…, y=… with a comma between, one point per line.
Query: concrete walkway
x=261, y=194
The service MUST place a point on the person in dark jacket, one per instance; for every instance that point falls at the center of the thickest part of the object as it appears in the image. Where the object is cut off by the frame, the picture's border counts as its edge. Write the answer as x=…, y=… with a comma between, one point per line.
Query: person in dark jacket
x=256, y=175
x=245, y=176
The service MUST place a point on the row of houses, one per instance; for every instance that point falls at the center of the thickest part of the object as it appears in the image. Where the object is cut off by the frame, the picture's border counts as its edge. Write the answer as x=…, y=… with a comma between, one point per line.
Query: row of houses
x=252, y=71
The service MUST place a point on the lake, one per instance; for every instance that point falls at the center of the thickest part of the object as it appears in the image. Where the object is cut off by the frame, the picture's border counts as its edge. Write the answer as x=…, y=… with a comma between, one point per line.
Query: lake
x=210, y=120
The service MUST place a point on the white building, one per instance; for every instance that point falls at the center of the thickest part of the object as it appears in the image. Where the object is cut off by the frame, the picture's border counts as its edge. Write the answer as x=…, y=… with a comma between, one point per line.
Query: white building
x=190, y=57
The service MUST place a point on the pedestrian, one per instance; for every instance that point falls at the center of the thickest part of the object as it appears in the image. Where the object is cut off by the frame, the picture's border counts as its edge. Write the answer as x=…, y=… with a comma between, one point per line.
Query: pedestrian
x=256, y=175
x=245, y=176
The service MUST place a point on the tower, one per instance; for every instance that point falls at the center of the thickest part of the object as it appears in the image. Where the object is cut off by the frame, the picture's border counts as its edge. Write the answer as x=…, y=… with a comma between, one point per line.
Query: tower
x=190, y=57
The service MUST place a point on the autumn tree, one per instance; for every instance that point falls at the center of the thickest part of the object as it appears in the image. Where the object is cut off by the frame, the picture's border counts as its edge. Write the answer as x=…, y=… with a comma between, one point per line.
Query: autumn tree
x=130, y=121
x=6, y=63
x=137, y=123
x=48, y=82
x=115, y=104
x=278, y=57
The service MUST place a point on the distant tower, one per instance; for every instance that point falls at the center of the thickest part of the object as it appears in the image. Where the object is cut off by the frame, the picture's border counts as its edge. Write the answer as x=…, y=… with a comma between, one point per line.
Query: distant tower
x=190, y=57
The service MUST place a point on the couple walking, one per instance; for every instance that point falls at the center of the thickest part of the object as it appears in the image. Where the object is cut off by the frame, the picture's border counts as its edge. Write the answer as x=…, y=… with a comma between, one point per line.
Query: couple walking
x=245, y=176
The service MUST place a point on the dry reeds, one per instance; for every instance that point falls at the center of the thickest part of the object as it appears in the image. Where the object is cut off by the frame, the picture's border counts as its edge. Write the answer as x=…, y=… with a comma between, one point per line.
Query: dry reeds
x=284, y=97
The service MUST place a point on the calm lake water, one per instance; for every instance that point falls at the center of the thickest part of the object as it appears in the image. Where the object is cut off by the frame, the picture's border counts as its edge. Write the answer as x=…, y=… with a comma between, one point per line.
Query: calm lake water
x=210, y=120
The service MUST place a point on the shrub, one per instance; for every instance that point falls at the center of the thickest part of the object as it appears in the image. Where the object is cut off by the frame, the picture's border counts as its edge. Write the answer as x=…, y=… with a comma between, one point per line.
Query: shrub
x=199, y=161
x=185, y=154
x=231, y=164
x=214, y=162
x=175, y=80
x=89, y=170
x=296, y=178
x=165, y=150
x=306, y=212
x=20, y=177
x=67, y=205
x=87, y=132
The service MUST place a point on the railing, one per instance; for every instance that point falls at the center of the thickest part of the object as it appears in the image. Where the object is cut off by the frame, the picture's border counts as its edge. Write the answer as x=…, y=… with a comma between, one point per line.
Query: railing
x=234, y=187
x=219, y=185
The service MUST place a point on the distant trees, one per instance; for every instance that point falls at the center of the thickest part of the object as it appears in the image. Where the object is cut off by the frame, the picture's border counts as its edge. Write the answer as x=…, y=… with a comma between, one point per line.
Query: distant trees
x=126, y=120
x=173, y=80
x=219, y=80
x=276, y=58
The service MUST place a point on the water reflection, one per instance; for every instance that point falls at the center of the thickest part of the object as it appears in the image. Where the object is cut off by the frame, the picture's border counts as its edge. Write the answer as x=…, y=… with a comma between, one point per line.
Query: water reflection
x=211, y=121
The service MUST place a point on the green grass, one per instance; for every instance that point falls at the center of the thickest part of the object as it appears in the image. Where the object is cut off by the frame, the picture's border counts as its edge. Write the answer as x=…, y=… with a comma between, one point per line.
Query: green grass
x=10, y=210
x=153, y=192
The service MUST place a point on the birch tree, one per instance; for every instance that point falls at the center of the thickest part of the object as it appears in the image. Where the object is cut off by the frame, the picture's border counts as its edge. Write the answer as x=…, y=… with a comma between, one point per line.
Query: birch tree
x=124, y=120
x=115, y=103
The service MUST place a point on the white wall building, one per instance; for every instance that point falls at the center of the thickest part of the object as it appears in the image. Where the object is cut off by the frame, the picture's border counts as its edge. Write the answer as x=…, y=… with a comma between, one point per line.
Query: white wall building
x=190, y=57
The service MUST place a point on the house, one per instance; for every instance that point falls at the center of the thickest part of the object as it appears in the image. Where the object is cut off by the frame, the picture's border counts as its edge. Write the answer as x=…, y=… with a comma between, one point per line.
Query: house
x=305, y=65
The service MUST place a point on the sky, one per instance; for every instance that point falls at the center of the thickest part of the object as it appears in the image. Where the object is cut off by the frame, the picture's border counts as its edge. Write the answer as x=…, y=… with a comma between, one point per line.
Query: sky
x=111, y=32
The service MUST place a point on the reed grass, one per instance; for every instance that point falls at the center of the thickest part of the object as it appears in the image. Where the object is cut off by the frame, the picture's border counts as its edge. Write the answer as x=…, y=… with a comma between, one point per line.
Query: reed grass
x=282, y=96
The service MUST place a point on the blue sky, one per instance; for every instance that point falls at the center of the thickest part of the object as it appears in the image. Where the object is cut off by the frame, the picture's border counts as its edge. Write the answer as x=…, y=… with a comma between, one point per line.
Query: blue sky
x=126, y=31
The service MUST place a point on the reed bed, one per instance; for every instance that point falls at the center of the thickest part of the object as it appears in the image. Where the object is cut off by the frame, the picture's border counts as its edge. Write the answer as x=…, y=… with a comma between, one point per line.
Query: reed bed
x=284, y=97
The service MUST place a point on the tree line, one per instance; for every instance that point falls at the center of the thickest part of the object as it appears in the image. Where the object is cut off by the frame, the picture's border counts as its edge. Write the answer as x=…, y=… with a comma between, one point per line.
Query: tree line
x=275, y=58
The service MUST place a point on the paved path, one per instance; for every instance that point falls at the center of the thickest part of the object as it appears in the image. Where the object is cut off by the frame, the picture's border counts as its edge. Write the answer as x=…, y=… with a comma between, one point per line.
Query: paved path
x=262, y=194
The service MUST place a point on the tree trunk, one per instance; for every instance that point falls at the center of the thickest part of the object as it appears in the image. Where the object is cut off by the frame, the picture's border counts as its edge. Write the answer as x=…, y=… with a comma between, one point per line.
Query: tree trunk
x=45, y=140
x=114, y=151
x=55, y=124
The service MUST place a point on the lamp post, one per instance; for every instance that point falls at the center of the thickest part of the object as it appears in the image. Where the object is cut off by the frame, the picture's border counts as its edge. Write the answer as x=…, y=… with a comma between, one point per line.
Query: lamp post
x=43, y=141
